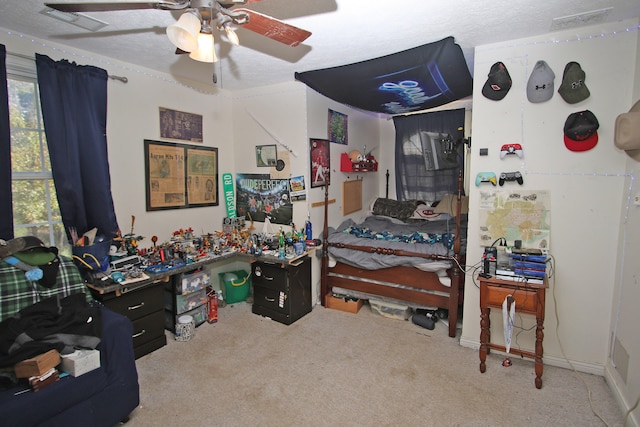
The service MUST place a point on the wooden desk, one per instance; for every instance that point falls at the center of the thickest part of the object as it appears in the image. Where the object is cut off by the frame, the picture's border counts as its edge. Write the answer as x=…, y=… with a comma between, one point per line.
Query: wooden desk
x=529, y=299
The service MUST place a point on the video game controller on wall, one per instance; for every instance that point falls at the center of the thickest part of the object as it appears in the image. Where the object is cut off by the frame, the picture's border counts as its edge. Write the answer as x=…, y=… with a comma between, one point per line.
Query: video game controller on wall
x=511, y=149
x=486, y=177
x=511, y=176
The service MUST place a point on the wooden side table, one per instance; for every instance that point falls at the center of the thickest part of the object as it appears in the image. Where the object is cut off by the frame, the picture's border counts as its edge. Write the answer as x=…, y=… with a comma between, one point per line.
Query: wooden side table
x=529, y=299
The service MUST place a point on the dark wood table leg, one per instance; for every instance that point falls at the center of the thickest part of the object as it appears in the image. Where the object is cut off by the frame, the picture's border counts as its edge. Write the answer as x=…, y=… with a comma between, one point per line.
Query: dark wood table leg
x=538, y=358
x=485, y=336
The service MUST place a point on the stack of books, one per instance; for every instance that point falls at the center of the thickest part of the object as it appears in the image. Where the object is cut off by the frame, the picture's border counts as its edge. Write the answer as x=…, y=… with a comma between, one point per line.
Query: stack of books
x=39, y=382
x=523, y=267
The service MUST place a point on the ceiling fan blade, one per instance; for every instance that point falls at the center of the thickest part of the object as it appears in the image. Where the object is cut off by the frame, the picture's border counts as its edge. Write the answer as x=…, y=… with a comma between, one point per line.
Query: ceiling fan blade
x=114, y=6
x=273, y=28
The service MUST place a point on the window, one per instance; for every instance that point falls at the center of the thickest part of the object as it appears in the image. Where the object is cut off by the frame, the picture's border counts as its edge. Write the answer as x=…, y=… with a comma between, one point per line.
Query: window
x=35, y=206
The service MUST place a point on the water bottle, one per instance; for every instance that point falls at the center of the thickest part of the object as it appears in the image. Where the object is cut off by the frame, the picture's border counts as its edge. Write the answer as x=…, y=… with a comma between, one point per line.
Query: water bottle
x=281, y=251
x=308, y=229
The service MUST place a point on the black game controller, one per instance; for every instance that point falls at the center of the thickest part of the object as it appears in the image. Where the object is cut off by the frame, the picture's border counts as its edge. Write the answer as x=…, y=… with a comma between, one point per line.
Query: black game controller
x=510, y=176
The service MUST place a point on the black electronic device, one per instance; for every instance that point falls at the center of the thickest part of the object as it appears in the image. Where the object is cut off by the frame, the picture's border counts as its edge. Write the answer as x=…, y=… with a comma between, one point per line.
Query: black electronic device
x=426, y=320
x=489, y=261
x=510, y=176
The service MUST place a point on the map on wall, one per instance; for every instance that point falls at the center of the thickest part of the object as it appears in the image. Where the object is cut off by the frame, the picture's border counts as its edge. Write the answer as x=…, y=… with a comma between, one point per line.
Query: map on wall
x=516, y=215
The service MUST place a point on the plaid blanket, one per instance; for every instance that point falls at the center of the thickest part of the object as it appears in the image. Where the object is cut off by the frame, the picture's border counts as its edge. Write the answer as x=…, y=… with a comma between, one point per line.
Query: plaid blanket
x=16, y=292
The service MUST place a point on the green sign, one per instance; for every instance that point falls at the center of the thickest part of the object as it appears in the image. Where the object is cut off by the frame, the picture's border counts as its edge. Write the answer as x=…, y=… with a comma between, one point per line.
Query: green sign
x=229, y=195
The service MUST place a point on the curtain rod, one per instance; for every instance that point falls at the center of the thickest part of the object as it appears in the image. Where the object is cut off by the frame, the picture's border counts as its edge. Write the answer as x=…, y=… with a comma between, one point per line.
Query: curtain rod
x=29, y=58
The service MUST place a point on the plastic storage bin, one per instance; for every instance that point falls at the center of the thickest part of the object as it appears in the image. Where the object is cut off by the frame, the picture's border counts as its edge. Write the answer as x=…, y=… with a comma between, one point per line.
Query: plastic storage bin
x=185, y=302
x=191, y=282
x=235, y=285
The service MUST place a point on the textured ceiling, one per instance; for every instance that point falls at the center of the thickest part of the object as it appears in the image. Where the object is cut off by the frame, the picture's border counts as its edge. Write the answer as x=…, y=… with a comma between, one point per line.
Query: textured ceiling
x=344, y=31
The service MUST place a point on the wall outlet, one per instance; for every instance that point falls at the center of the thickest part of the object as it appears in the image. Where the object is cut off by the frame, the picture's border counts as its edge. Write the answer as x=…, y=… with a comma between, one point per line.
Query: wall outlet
x=636, y=200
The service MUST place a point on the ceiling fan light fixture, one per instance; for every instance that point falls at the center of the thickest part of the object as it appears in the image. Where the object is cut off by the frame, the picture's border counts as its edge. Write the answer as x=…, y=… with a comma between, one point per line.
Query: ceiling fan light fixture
x=206, y=49
x=184, y=33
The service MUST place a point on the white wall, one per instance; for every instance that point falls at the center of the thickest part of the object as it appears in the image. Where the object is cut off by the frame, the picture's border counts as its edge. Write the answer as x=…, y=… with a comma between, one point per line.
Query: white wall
x=587, y=188
x=623, y=362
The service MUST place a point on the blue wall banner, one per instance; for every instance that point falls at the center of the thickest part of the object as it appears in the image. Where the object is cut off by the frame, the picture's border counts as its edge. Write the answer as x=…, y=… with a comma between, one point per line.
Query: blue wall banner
x=412, y=80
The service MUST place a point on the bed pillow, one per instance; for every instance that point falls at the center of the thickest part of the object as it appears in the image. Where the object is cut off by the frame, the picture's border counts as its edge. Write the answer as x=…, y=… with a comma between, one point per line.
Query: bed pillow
x=401, y=210
x=426, y=213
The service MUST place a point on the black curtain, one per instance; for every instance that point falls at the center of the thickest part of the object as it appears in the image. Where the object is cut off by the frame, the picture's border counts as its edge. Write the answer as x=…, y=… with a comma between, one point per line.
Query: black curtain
x=74, y=111
x=6, y=206
x=429, y=154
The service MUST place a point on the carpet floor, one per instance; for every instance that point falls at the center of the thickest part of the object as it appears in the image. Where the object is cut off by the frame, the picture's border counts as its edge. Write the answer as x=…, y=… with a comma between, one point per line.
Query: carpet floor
x=332, y=368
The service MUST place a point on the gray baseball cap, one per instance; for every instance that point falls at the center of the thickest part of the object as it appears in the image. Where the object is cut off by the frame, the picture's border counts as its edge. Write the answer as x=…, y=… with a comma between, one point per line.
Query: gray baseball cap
x=540, y=84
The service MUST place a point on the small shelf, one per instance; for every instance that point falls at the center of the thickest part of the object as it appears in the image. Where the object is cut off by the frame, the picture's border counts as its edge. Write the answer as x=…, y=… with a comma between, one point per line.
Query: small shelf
x=368, y=165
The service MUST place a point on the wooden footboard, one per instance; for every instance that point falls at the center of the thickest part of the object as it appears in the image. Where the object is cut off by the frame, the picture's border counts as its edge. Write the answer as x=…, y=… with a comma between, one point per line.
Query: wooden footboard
x=401, y=283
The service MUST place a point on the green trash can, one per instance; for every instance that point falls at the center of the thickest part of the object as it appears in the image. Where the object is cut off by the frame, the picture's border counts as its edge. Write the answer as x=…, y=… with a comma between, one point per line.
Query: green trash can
x=235, y=285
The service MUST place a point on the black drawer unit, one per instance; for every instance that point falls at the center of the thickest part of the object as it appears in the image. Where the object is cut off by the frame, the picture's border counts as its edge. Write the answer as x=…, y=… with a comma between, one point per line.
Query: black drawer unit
x=145, y=308
x=281, y=290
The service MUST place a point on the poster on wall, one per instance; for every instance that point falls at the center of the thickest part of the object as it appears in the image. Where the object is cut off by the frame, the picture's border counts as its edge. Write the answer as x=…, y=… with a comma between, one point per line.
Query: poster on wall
x=523, y=215
x=338, y=131
x=180, y=176
x=202, y=176
x=258, y=196
x=165, y=176
x=298, y=190
x=180, y=125
x=320, y=162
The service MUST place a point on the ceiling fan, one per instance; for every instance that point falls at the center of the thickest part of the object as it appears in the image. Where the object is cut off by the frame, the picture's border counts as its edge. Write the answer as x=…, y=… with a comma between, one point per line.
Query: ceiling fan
x=193, y=32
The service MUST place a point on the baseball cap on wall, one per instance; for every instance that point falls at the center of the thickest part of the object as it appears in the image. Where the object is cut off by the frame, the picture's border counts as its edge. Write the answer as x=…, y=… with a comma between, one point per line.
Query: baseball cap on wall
x=627, y=132
x=573, y=88
x=498, y=82
x=540, y=84
x=580, y=131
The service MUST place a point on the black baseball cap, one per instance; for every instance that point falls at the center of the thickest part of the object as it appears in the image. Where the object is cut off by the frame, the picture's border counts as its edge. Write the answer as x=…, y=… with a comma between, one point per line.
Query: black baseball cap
x=580, y=131
x=498, y=82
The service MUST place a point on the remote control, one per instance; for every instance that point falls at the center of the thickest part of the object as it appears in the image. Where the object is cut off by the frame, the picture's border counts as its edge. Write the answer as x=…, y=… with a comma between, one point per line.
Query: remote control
x=510, y=176
x=485, y=177
x=511, y=149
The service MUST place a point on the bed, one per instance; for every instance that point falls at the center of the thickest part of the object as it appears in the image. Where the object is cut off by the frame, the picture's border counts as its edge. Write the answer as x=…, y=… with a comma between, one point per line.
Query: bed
x=399, y=255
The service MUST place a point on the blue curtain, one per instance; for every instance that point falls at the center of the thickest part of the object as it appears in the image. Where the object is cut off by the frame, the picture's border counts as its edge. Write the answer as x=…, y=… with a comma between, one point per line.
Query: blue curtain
x=6, y=206
x=429, y=154
x=74, y=111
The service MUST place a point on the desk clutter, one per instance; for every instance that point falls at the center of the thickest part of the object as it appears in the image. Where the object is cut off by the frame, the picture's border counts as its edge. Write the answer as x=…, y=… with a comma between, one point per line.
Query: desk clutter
x=128, y=263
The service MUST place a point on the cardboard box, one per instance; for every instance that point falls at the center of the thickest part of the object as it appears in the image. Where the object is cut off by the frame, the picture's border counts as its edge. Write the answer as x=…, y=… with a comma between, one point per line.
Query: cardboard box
x=80, y=362
x=37, y=365
x=342, y=305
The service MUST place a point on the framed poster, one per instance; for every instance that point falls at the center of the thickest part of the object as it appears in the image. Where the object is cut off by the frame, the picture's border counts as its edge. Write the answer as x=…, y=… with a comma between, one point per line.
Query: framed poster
x=320, y=162
x=338, y=129
x=261, y=197
x=266, y=155
x=180, y=125
x=180, y=176
x=202, y=176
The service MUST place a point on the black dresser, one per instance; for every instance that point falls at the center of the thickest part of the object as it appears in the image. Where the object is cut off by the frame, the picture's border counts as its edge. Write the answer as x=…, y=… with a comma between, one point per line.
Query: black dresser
x=144, y=306
x=281, y=289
